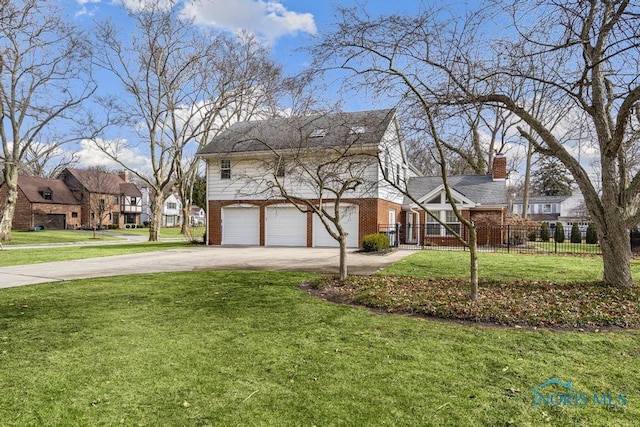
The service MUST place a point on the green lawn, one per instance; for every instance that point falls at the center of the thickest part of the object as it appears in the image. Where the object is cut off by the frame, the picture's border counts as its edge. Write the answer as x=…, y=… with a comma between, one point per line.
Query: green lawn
x=250, y=348
x=55, y=236
x=65, y=253
x=166, y=232
x=504, y=267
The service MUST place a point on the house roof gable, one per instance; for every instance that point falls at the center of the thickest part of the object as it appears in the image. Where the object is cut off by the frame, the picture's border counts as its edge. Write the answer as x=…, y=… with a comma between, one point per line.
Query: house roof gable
x=103, y=182
x=480, y=189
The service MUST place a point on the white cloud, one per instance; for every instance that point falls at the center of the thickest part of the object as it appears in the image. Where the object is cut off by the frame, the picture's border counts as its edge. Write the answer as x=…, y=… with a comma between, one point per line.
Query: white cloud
x=268, y=19
x=140, y=5
x=90, y=155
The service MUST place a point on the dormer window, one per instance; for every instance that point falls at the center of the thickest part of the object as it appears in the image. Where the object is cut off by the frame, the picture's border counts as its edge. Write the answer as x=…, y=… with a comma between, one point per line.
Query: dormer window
x=318, y=133
x=354, y=130
x=46, y=193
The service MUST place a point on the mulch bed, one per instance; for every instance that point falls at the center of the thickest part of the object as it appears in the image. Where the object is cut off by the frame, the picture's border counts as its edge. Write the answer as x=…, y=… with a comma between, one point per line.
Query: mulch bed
x=574, y=306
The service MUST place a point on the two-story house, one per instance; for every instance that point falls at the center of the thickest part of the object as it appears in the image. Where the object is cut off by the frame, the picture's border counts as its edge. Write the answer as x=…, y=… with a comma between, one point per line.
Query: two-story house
x=556, y=209
x=245, y=208
x=106, y=198
x=172, y=211
x=250, y=164
x=171, y=208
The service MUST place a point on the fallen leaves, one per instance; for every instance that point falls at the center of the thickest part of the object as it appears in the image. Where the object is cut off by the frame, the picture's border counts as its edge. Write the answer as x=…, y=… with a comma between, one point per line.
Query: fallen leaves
x=522, y=303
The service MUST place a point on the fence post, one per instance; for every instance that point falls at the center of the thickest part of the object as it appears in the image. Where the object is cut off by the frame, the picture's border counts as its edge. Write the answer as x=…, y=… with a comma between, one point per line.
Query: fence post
x=508, y=238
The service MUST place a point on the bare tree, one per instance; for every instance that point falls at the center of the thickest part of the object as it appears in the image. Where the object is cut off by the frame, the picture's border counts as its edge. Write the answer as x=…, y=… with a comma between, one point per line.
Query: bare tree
x=330, y=175
x=583, y=55
x=48, y=160
x=159, y=67
x=44, y=78
x=240, y=82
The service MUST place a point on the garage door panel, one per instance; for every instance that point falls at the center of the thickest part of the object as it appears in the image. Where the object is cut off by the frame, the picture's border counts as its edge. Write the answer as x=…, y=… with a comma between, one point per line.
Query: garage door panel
x=285, y=226
x=241, y=226
x=349, y=219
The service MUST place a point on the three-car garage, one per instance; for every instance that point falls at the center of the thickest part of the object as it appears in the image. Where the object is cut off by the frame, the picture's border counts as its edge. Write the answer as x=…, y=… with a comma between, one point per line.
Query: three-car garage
x=283, y=225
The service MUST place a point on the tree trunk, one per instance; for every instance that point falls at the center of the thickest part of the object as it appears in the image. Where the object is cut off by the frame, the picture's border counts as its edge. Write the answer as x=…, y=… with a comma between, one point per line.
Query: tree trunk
x=527, y=182
x=9, y=208
x=473, y=259
x=186, y=226
x=155, y=221
x=343, y=257
x=616, y=254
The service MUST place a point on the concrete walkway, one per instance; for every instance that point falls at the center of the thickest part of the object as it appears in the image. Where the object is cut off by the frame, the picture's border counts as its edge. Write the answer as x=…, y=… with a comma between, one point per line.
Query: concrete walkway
x=318, y=260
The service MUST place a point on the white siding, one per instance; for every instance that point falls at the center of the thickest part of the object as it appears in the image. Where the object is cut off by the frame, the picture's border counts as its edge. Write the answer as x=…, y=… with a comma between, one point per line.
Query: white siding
x=249, y=180
x=390, y=144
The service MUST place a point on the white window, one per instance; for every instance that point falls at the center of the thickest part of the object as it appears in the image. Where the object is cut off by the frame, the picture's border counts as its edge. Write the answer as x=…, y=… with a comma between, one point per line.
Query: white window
x=225, y=169
x=453, y=222
x=433, y=227
x=387, y=164
x=546, y=208
x=356, y=130
x=448, y=217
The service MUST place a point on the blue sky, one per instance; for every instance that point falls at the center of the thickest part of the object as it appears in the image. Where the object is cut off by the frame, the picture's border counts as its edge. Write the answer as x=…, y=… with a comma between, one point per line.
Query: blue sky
x=286, y=26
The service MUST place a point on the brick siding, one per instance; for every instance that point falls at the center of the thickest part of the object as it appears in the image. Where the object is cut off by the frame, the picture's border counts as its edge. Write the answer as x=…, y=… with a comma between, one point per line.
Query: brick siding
x=372, y=212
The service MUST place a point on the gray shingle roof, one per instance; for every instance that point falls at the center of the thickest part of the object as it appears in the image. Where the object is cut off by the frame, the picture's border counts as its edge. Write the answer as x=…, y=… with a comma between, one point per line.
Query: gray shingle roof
x=481, y=189
x=338, y=129
x=544, y=199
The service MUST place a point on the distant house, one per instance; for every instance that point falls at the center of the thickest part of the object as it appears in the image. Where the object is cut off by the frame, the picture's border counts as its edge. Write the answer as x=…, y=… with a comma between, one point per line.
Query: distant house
x=171, y=208
x=121, y=199
x=240, y=209
x=556, y=209
x=172, y=211
x=197, y=216
x=44, y=203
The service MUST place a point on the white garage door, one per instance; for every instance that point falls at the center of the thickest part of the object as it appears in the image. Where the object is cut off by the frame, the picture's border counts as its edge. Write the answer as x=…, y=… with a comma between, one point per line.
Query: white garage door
x=285, y=226
x=240, y=225
x=350, y=222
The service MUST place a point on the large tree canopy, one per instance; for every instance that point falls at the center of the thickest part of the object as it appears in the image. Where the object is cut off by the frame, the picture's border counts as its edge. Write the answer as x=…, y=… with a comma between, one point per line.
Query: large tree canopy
x=580, y=59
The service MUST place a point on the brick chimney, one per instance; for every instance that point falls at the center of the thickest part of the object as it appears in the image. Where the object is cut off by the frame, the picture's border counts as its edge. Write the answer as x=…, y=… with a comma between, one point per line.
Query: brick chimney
x=499, y=169
x=124, y=174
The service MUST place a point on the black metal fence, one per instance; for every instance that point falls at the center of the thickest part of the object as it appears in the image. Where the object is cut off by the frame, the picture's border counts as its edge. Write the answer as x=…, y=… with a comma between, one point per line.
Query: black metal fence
x=492, y=238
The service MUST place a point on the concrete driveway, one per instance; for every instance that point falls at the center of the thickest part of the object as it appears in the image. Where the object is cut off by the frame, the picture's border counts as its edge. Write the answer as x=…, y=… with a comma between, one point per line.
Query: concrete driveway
x=318, y=260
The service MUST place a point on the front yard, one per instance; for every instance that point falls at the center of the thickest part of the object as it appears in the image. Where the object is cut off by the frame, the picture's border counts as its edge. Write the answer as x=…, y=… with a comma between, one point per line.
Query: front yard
x=251, y=348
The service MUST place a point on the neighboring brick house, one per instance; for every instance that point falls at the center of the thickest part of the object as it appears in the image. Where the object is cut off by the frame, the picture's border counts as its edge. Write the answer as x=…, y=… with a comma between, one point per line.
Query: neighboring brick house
x=244, y=209
x=46, y=203
x=109, y=195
